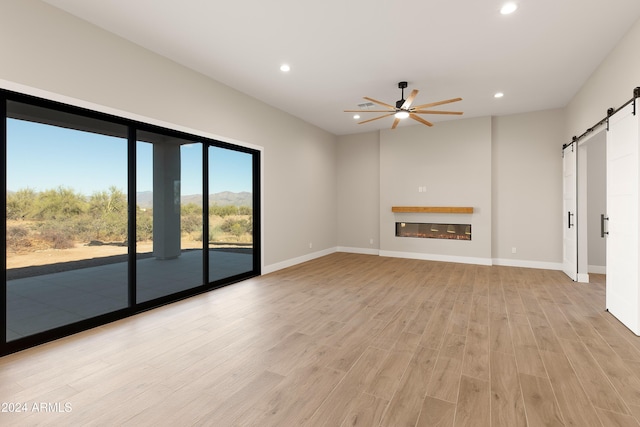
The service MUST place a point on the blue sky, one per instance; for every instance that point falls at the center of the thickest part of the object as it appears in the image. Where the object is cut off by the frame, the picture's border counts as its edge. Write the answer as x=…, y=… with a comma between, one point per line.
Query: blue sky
x=43, y=157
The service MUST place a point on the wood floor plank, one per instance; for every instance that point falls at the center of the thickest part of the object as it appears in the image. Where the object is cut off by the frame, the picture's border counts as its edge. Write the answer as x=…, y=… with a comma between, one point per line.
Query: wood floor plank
x=386, y=379
x=540, y=405
x=499, y=333
x=286, y=405
x=388, y=336
x=366, y=411
x=507, y=406
x=445, y=381
x=420, y=319
x=623, y=379
x=436, y=413
x=594, y=381
x=476, y=352
x=406, y=403
x=472, y=407
x=614, y=419
x=572, y=400
x=337, y=405
x=434, y=332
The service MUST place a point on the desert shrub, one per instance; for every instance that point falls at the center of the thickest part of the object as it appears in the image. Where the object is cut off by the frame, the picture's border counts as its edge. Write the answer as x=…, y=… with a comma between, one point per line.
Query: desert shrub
x=20, y=205
x=191, y=219
x=237, y=226
x=59, y=204
x=18, y=239
x=57, y=238
x=245, y=210
x=215, y=234
x=190, y=209
x=144, y=224
x=223, y=211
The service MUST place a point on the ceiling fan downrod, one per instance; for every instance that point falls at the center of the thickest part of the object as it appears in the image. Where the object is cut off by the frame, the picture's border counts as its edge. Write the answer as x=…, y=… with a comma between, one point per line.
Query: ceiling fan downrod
x=402, y=86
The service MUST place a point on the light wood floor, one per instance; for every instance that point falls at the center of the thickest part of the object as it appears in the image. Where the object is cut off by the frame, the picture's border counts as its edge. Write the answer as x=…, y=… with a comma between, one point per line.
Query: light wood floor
x=348, y=340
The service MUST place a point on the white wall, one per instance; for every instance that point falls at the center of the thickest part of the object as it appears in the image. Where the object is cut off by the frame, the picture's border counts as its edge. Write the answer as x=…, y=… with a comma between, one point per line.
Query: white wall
x=358, y=192
x=507, y=168
x=611, y=85
x=46, y=50
x=453, y=161
x=527, y=189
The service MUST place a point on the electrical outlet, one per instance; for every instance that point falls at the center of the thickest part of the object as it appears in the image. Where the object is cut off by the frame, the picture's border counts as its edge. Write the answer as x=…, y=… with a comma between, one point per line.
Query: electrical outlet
x=310, y=245
x=371, y=241
x=513, y=250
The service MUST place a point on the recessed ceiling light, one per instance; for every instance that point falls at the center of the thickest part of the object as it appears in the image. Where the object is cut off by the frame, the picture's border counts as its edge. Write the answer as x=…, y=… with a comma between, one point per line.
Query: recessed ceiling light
x=508, y=8
x=356, y=116
x=498, y=95
x=285, y=68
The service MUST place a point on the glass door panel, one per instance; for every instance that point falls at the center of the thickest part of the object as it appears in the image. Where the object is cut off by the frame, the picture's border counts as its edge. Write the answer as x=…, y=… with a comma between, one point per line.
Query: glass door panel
x=231, y=235
x=66, y=219
x=168, y=215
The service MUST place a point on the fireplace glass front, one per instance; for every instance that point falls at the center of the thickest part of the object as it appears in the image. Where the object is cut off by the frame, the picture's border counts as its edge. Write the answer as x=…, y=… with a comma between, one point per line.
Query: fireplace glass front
x=433, y=230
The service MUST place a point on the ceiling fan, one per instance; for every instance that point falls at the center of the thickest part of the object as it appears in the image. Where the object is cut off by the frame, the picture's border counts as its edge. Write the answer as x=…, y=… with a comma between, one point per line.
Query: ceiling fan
x=403, y=108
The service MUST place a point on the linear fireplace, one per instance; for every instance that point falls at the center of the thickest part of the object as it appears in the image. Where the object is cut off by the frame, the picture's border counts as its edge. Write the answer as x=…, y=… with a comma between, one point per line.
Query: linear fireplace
x=433, y=230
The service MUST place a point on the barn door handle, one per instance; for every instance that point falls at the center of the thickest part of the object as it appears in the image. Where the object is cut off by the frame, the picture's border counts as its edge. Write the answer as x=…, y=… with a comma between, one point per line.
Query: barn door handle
x=602, y=220
x=569, y=215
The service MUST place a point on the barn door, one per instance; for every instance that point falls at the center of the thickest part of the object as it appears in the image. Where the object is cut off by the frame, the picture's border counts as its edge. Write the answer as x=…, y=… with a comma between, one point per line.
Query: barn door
x=621, y=220
x=570, y=235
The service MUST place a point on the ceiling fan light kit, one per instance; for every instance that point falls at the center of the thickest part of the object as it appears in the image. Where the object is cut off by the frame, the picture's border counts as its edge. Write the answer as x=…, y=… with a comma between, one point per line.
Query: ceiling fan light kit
x=403, y=108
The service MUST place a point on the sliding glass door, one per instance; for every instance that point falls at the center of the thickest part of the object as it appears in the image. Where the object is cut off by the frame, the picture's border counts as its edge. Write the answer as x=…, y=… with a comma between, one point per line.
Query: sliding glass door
x=66, y=206
x=231, y=200
x=107, y=217
x=169, y=218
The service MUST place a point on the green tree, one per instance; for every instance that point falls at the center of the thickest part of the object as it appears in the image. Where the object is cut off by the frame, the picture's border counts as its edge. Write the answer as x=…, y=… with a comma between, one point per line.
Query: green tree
x=144, y=224
x=59, y=204
x=108, y=202
x=108, y=210
x=20, y=205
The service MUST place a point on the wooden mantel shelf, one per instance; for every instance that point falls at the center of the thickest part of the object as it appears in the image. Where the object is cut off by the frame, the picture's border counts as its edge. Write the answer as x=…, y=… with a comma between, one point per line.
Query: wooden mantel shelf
x=432, y=209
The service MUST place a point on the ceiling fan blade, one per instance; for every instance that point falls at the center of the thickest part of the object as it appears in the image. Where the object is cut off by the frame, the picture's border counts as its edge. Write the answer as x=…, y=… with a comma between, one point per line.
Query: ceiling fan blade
x=395, y=123
x=409, y=100
x=420, y=119
x=366, y=111
x=375, y=101
x=376, y=118
x=433, y=104
x=458, y=113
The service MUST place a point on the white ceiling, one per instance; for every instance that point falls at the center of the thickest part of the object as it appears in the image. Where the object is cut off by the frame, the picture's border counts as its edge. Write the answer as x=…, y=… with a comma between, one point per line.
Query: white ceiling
x=342, y=50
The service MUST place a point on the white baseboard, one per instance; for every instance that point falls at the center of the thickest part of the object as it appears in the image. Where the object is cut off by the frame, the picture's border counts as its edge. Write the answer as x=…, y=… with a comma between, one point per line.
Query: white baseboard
x=427, y=257
x=527, y=264
x=293, y=261
x=364, y=251
x=437, y=257
x=597, y=269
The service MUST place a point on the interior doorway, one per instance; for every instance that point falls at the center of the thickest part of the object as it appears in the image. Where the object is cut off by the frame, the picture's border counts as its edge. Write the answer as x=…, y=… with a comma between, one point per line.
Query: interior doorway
x=592, y=206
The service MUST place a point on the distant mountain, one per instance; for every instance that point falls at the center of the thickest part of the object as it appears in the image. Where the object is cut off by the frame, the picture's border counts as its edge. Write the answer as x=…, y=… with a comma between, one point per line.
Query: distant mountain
x=144, y=199
x=229, y=198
